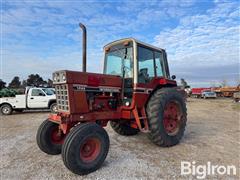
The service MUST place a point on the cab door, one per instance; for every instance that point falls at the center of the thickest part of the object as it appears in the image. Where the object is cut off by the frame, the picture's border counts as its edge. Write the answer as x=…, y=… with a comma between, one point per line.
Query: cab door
x=146, y=66
x=37, y=98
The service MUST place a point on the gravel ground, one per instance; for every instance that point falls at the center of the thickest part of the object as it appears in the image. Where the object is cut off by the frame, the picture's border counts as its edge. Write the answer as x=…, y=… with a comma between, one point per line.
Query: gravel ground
x=212, y=134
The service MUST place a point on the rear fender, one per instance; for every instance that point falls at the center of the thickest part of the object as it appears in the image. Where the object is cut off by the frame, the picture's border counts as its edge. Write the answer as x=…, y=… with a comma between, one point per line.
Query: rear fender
x=6, y=103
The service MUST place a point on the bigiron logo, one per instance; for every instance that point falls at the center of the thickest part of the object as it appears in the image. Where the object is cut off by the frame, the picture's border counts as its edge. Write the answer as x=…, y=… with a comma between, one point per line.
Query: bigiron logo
x=202, y=171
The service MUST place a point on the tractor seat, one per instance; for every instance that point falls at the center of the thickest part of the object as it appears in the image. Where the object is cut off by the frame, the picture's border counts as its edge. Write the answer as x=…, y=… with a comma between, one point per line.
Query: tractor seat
x=143, y=76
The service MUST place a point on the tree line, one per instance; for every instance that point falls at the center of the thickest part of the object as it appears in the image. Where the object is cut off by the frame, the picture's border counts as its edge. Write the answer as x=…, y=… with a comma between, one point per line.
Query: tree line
x=37, y=80
x=32, y=80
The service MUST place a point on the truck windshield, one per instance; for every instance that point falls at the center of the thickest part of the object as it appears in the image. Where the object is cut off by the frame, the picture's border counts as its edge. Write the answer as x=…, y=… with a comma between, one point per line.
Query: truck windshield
x=118, y=61
x=48, y=91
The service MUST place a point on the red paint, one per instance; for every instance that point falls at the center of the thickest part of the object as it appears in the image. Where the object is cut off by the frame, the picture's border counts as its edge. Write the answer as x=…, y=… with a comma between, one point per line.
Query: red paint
x=90, y=150
x=172, y=118
x=93, y=79
x=198, y=91
x=56, y=136
x=54, y=117
x=83, y=108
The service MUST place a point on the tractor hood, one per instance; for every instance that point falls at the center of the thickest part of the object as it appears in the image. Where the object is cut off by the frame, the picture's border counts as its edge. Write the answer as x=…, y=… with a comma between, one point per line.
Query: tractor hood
x=86, y=79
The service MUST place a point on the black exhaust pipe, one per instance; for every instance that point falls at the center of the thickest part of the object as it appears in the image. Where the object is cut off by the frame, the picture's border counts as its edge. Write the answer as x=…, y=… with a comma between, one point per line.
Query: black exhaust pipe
x=84, y=47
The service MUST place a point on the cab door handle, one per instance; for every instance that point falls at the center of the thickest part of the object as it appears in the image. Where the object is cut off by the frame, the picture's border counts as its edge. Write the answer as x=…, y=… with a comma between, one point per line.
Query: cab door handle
x=31, y=98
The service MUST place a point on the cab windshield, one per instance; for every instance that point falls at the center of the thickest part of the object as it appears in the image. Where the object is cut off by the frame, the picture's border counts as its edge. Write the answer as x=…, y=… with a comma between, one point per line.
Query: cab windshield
x=48, y=91
x=119, y=62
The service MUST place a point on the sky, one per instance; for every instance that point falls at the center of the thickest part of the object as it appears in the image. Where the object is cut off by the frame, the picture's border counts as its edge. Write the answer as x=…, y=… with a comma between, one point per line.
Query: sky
x=201, y=37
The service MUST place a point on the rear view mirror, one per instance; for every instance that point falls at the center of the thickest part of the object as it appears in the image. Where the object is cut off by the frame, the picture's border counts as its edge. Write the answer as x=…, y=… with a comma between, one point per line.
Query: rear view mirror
x=173, y=77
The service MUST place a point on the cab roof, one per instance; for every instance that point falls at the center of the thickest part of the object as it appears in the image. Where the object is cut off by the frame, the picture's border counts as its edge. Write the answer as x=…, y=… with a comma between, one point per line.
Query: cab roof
x=133, y=40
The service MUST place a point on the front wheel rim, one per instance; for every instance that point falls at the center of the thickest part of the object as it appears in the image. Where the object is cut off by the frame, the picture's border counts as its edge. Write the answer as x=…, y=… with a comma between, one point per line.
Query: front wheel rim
x=90, y=150
x=172, y=118
x=57, y=137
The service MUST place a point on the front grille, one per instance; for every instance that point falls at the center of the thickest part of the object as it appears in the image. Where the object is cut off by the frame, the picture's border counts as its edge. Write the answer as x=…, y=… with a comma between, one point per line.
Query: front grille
x=62, y=97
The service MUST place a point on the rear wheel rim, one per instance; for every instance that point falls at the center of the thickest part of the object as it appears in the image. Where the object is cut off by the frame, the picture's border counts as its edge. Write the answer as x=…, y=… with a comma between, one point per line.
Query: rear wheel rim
x=54, y=108
x=172, y=118
x=90, y=150
x=57, y=137
x=5, y=110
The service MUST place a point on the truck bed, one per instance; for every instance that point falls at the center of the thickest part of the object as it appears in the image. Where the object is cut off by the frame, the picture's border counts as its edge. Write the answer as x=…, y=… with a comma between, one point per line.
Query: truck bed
x=17, y=102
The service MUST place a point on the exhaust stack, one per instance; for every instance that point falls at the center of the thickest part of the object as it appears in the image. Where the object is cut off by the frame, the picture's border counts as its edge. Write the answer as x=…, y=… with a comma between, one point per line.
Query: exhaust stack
x=84, y=47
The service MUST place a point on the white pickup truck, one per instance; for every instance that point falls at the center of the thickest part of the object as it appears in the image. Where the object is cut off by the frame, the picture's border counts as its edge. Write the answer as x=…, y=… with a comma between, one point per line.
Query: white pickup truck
x=34, y=98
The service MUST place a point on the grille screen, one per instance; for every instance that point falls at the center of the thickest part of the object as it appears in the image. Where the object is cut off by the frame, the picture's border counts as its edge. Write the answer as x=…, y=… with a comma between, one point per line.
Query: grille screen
x=62, y=97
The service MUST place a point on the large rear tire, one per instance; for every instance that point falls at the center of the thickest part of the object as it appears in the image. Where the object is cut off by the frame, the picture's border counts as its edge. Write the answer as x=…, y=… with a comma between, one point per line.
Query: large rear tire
x=49, y=139
x=167, y=115
x=85, y=148
x=123, y=128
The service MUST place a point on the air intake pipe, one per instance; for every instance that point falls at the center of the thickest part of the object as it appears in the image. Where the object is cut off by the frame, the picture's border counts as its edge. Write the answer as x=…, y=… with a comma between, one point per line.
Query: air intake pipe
x=84, y=47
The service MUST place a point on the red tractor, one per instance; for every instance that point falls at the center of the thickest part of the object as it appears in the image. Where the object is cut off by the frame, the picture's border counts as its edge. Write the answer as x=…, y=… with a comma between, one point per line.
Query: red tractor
x=135, y=94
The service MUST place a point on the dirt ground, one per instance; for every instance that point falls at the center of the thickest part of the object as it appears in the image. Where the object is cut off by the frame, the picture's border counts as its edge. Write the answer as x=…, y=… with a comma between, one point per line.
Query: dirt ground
x=212, y=134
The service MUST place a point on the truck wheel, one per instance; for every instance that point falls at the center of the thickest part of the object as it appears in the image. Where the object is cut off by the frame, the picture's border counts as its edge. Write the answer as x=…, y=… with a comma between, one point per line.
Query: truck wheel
x=167, y=115
x=123, y=128
x=49, y=139
x=6, y=109
x=53, y=107
x=85, y=148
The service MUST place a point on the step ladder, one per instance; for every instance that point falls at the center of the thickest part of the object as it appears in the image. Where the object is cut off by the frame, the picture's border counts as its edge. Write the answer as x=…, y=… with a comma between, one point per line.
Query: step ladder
x=140, y=119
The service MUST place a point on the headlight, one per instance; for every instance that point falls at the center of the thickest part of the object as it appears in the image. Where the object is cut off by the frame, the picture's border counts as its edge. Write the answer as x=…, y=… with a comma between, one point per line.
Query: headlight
x=127, y=103
x=55, y=78
x=64, y=77
x=59, y=77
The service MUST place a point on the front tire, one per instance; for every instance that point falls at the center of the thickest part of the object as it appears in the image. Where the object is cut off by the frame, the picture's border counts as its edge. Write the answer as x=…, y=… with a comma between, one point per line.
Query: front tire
x=49, y=138
x=6, y=109
x=167, y=115
x=85, y=148
x=123, y=128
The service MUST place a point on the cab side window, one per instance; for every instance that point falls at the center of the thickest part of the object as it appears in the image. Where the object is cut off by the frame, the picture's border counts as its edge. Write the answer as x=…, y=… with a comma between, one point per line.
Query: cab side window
x=37, y=92
x=159, y=64
x=145, y=65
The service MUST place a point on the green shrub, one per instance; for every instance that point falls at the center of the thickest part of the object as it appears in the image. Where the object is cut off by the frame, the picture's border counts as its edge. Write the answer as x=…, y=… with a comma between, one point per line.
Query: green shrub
x=8, y=92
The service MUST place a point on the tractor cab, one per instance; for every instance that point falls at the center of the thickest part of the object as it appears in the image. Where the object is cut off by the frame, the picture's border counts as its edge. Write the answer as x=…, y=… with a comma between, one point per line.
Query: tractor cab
x=138, y=64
